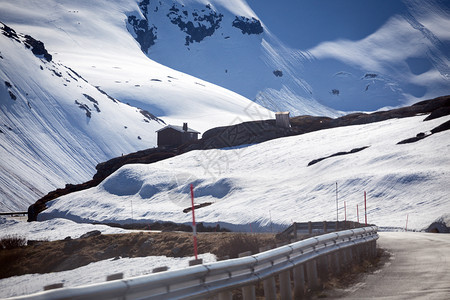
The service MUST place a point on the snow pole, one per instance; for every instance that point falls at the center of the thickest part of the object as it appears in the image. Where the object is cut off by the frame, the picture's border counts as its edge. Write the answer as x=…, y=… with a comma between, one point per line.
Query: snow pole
x=345, y=212
x=357, y=212
x=406, y=226
x=194, y=227
x=365, y=207
x=337, y=208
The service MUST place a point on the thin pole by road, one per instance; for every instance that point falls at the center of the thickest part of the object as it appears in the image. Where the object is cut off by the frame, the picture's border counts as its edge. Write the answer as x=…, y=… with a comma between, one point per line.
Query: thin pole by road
x=419, y=268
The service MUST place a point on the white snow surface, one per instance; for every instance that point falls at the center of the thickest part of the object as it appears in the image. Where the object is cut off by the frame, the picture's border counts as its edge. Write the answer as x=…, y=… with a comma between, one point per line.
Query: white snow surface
x=94, y=273
x=58, y=229
x=270, y=185
x=47, y=138
x=51, y=230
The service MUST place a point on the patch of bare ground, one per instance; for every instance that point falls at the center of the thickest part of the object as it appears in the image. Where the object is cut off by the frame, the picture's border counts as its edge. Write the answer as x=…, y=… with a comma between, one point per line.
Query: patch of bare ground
x=46, y=257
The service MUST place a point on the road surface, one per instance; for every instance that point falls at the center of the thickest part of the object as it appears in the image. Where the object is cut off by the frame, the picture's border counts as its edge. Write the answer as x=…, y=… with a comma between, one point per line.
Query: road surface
x=419, y=268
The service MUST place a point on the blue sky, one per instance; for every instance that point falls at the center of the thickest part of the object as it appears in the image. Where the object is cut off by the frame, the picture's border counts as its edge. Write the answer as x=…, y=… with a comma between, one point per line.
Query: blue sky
x=293, y=21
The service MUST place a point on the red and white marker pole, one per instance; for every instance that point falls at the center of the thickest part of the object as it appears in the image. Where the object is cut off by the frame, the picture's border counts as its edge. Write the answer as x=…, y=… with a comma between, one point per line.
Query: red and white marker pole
x=194, y=227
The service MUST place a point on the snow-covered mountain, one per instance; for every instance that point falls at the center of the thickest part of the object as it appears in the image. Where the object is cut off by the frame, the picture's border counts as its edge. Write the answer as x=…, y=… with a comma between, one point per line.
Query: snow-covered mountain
x=56, y=126
x=119, y=70
x=90, y=99
x=271, y=184
x=225, y=42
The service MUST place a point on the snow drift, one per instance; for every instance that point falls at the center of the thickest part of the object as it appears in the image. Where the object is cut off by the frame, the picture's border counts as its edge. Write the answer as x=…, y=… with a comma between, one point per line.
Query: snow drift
x=270, y=184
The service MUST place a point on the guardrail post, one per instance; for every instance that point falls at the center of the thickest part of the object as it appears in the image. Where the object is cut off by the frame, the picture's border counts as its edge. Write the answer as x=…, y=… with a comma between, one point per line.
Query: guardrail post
x=285, y=285
x=325, y=230
x=270, y=291
x=351, y=255
x=373, y=249
x=227, y=295
x=248, y=292
x=322, y=267
x=362, y=252
x=347, y=257
x=299, y=282
x=343, y=259
x=330, y=264
x=311, y=273
x=337, y=262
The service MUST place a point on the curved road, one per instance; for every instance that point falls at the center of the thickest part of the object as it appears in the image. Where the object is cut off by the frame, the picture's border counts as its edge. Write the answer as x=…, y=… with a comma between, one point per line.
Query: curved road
x=419, y=268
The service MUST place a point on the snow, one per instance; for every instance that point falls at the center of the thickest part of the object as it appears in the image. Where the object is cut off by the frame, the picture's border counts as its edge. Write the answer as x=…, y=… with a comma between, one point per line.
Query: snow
x=51, y=230
x=52, y=143
x=270, y=185
x=58, y=229
x=94, y=273
x=47, y=140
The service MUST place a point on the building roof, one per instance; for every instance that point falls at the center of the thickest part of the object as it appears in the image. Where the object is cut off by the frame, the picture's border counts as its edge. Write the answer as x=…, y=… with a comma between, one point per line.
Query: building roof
x=178, y=128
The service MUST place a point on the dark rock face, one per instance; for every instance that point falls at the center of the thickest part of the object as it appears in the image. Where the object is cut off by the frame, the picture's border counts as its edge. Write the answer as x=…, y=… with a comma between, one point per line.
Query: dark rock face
x=37, y=47
x=11, y=94
x=9, y=32
x=145, y=35
x=337, y=154
x=370, y=76
x=149, y=116
x=85, y=108
x=420, y=136
x=248, y=26
x=204, y=24
x=278, y=73
x=241, y=134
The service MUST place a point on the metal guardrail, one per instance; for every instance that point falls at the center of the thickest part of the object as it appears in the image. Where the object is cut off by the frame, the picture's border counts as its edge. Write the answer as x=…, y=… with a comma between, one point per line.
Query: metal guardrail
x=221, y=277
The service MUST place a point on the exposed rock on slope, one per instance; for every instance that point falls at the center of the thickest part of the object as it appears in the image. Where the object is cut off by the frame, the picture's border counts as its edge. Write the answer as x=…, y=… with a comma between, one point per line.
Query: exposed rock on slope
x=259, y=131
x=242, y=134
x=37, y=47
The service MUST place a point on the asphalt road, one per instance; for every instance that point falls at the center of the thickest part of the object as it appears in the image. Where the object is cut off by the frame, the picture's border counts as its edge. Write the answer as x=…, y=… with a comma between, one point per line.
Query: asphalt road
x=419, y=268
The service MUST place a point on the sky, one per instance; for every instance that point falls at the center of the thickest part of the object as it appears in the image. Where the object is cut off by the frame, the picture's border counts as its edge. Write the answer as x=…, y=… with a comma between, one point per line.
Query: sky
x=292, y=21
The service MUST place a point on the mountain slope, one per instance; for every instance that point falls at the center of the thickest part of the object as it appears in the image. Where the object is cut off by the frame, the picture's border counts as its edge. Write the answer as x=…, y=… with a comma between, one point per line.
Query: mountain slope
x=225, y=42
x=92, y=38
x=58, y=117
x=292, y=179
x=55, y=126
x=60, y=124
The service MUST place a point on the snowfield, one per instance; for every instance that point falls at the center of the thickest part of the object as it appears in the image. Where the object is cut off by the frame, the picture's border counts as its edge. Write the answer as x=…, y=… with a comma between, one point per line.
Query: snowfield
x=56, y=121
x=270, y=185
x=94, y=273
x=101, y=95
x=51, y=230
